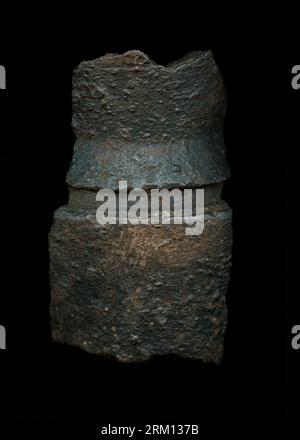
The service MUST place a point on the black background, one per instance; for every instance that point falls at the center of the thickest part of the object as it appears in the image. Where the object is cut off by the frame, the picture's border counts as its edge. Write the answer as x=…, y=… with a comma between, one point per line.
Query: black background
x=43, y=380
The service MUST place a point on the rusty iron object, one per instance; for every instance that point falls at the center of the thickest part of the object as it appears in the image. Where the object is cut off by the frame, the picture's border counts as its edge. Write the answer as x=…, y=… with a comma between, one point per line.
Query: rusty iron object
x=134, y=291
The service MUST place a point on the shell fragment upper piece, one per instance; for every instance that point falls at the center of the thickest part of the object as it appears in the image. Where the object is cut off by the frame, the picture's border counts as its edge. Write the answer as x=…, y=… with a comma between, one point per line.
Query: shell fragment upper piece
x=157, y=126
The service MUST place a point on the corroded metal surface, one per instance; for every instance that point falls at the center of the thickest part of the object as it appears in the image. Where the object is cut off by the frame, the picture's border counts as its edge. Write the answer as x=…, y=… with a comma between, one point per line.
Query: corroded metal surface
x=132, y=291
x=155, y=126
